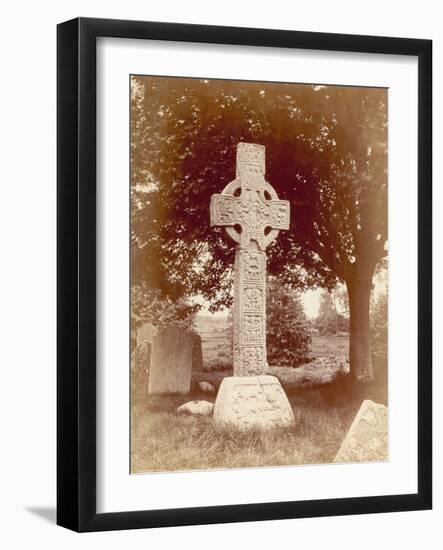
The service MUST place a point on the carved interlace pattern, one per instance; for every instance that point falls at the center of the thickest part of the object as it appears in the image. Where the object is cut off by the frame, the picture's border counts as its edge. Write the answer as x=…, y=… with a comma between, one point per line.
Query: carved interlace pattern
x=253, y=298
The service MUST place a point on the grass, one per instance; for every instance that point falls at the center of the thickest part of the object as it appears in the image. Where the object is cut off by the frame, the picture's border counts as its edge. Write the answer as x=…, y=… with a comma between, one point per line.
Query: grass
x=161, y=440
x=165, y=441
x=330, y=345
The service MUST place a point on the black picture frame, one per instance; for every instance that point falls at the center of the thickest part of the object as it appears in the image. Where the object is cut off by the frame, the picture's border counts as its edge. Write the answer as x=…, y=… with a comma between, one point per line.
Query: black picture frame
x=76, y=274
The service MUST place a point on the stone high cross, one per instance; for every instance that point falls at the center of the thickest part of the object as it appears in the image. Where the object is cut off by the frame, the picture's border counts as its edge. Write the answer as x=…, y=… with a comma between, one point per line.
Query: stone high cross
x=250, y=211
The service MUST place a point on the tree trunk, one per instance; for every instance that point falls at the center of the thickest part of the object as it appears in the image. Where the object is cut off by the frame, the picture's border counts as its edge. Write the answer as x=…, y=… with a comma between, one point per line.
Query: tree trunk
x=360, y=358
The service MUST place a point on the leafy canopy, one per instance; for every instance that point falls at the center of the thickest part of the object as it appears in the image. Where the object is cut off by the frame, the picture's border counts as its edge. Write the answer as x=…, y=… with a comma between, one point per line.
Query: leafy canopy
x=325, y=153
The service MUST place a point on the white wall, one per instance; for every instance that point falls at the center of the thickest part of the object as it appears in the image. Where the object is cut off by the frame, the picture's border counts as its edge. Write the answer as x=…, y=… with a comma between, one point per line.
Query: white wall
x=27, y=299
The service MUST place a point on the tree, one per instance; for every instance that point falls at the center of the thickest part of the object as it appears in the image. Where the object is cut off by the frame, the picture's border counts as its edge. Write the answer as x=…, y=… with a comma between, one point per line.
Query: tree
x=326, y=151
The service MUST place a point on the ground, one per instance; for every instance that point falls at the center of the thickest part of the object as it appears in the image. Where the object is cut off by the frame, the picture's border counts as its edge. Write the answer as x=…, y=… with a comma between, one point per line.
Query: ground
x=165, y=441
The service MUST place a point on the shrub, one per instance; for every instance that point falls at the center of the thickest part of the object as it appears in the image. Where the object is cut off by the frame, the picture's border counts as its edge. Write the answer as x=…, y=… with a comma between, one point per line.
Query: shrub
x=288, y=338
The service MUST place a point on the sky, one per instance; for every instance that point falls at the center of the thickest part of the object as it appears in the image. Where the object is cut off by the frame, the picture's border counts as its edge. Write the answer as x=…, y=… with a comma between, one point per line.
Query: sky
x=311, y=302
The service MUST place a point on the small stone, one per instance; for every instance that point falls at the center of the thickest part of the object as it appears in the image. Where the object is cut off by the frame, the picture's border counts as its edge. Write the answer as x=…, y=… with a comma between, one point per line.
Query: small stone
x=196, y=407
x=367, y=438
x=206, y=387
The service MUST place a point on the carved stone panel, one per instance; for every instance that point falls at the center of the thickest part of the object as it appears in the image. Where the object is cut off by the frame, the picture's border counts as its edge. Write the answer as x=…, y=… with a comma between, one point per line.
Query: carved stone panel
x=250, y=160
x=253, y=360
x=255, y=402
x=253, y=297
x=252, y=327
x=249, y=313
x=279, y=214
x=223, y=210
x=253, y=265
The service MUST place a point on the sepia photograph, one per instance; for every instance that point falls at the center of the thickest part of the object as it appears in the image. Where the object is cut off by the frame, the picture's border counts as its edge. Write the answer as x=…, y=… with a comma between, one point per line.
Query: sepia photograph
x=259, y=274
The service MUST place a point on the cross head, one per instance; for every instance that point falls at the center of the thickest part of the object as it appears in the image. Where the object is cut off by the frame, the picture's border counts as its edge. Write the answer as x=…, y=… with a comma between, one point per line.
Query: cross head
x=248, y=207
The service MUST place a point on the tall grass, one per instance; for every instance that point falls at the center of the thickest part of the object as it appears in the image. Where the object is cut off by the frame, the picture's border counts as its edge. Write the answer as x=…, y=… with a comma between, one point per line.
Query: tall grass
x=165, y=441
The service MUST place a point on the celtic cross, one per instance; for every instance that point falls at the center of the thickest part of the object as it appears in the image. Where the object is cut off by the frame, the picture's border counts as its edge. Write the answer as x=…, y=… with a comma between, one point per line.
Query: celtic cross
x=252, y=215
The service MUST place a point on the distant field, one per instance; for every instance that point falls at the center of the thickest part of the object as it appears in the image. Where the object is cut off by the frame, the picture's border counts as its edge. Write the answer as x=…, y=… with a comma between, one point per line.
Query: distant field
x=217, y=347
x=325, y=346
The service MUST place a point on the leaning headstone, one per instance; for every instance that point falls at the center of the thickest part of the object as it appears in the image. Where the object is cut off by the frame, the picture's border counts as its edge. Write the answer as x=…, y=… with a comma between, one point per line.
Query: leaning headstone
x=171, y=361
x=367, y=438
x=146, y=333
x=252, y=215
x=140, y=362
x=197, y=353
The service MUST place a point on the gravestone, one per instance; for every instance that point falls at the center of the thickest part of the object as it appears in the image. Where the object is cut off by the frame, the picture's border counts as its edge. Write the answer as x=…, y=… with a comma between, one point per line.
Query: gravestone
x=146, y=333
x=140, y=362
x=171, y=361
x=367, y=438
x=197, y=353
x=252, y=215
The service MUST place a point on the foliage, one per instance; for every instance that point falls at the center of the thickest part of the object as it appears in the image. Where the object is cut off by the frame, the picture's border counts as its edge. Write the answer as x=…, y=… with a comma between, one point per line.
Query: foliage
x=149, y=306
x=328, y=320
x=288, y=339
x=326, y=154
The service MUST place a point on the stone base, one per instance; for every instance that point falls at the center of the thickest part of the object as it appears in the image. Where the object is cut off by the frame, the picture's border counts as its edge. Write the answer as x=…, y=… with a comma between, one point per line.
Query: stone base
x=252, y=402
